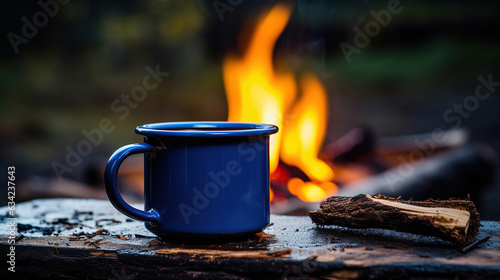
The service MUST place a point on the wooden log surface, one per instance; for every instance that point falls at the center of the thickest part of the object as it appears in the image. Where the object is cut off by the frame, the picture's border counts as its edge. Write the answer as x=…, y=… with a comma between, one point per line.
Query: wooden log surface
x=455, y=220
x=78, y=238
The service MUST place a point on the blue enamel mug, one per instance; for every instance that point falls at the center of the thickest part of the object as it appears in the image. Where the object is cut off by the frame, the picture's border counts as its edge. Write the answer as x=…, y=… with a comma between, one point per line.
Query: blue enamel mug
x=201, y=179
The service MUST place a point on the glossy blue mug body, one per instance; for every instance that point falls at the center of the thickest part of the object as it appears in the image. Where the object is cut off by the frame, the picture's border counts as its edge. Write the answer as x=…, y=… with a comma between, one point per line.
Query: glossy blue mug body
x=201, y=179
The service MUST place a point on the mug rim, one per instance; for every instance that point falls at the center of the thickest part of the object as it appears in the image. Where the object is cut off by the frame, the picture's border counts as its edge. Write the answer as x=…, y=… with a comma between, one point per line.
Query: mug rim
x=237, y=129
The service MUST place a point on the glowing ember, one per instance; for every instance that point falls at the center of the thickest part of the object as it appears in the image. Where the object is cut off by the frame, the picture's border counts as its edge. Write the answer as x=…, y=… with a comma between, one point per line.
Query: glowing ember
x=309, y=191
x=257, y=93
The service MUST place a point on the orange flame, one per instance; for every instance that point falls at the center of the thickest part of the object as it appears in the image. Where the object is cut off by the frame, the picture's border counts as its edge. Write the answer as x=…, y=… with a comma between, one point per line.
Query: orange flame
x=310, y=191
x=304, y=132
x=257, y=93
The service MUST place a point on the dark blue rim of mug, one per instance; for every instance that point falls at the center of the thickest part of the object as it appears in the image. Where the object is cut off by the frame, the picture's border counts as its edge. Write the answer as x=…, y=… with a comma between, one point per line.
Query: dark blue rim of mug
x=215, y=129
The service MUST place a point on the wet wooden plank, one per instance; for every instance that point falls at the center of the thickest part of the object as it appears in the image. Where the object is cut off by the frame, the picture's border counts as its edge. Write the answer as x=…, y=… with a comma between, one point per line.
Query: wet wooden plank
x=68, y=238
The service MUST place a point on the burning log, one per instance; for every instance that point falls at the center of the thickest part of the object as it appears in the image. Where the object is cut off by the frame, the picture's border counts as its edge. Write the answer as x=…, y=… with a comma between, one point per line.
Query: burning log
x=455, y=173
x=455, y=220
x=355, y=144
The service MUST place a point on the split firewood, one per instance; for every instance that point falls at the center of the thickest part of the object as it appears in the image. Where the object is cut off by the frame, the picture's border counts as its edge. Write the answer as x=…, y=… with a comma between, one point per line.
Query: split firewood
x=455, y=220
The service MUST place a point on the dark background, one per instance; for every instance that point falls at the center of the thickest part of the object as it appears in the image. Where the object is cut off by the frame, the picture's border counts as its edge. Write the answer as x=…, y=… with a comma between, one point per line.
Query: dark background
x=67, y=76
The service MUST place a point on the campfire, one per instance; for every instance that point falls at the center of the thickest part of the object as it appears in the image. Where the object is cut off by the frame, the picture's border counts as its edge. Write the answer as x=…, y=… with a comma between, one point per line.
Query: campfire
x=256, y=92
x=303, y=171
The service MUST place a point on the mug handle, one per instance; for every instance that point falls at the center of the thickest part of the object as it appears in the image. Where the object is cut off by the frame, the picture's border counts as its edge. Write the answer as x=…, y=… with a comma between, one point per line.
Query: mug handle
x=110, y=181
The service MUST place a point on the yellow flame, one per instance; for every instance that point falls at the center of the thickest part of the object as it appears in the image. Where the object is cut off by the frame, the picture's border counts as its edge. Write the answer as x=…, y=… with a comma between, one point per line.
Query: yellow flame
x=255, y=92
x=304, y=131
